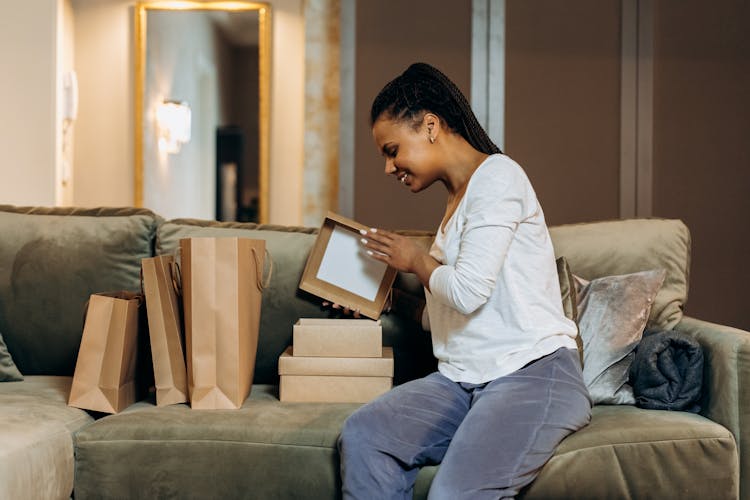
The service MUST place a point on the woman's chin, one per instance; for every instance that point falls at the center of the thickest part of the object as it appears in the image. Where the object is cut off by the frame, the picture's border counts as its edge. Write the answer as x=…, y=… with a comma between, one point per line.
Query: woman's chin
x=416, y=187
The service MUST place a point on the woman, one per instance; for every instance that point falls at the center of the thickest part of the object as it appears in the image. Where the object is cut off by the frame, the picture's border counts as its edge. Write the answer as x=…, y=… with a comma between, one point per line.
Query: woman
x=508, y=387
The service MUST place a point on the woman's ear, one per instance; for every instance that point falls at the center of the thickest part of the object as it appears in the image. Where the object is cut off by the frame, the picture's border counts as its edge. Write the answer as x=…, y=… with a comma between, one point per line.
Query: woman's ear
x=432, y=124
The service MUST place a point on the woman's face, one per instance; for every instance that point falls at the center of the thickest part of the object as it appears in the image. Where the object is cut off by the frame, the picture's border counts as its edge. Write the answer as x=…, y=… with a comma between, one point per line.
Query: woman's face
x=409, y=155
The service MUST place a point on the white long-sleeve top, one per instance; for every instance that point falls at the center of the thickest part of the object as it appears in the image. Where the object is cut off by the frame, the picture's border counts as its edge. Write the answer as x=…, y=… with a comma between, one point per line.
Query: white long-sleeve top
x=494, y=304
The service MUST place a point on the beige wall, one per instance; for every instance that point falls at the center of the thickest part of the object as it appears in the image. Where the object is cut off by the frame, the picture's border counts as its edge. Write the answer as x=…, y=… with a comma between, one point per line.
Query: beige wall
x=103, y=161
x=65, y=128
x=392, y=34
x=701, y=146
x=287, y=112
x=28, y=132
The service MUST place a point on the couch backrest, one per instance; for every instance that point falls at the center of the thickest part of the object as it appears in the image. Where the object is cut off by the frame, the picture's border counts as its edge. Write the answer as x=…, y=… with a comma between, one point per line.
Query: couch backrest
x=592, y=249
x=283, y=303
x=608, y=248
x=51, y=261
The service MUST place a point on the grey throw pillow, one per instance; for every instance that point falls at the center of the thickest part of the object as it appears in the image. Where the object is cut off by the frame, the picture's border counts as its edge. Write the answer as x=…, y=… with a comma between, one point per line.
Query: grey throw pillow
x=612, y=314
x=8, y=370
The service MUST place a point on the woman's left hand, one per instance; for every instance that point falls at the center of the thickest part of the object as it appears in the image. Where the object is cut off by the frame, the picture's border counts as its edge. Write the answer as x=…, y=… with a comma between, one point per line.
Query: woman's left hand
x=397, y=251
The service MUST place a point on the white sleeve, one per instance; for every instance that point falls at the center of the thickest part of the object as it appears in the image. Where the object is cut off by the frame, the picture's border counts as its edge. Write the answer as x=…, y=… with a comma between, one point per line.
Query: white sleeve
x=497, y=204
x=425, y=319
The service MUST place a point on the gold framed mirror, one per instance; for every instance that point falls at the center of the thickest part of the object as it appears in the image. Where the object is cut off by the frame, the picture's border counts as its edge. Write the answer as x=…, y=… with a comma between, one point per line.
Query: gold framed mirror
x=201, y=137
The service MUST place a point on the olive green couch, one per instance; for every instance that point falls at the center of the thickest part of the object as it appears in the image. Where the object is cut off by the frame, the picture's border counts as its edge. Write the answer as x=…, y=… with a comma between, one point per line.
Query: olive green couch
x=52, y=259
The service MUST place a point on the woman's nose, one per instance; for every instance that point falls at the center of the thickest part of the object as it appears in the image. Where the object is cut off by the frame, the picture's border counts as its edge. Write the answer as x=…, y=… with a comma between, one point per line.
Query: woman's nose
x=389, y=166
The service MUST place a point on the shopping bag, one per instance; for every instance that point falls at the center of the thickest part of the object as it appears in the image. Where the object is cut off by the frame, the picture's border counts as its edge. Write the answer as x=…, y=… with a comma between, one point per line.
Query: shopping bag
x=222, y=285
x=104, y=377
x=161, y=288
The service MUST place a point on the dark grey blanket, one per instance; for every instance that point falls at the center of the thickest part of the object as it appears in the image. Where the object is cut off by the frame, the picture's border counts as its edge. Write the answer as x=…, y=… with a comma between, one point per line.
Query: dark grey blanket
x=667, y=372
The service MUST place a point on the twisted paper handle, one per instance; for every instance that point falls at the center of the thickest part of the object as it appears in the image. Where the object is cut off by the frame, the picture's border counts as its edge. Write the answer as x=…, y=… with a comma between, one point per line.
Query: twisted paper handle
x=259, y=268
x=176, y=275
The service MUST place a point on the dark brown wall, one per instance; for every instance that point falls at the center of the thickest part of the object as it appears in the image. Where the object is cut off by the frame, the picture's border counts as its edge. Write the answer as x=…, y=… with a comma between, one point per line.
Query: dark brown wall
x=391, y=34
x=702, y=146
x=562, y=120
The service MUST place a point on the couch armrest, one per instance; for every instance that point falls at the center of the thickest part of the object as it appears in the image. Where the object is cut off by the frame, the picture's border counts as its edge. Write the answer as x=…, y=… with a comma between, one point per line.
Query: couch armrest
x=726, y=391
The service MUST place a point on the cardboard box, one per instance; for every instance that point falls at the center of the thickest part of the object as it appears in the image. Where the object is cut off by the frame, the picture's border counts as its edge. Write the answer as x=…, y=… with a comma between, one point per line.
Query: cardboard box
x=334, y=379
x=332, y=389
x=342, y=338
x=291, y=364
x=339, y=270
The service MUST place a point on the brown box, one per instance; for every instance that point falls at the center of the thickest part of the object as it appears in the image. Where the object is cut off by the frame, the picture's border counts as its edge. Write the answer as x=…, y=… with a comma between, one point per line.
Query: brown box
x=338, y=338
x=291, y=364
x=334, y=380
x=332, y=388
x=339, y=270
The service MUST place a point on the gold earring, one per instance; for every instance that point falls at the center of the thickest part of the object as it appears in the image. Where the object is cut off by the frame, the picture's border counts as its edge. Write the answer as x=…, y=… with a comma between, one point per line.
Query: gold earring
x=432, y=140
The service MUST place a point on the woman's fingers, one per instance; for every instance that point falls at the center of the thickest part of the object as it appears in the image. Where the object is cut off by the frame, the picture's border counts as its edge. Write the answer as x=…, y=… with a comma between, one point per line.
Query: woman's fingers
x=377, y=234
x=376, y=246
x=378, y=256
x=356, y=313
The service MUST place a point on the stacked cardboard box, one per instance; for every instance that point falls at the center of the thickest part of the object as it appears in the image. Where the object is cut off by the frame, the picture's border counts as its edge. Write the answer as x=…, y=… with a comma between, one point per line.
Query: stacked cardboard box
x=335, y=361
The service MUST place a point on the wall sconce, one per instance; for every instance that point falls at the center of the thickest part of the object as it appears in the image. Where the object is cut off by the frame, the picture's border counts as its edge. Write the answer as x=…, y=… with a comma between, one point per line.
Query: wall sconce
x=173, y=125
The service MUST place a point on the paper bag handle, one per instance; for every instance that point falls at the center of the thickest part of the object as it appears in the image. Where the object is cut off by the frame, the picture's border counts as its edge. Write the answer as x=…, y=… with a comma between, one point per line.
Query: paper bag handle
x=176, y=274
x=259, y=268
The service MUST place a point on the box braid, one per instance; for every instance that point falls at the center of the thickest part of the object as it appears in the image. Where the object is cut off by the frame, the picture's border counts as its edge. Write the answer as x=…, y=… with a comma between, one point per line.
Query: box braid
x=423, y=88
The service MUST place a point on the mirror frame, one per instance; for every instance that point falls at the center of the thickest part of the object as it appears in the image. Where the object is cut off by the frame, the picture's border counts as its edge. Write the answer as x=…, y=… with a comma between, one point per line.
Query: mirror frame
x=264, y=84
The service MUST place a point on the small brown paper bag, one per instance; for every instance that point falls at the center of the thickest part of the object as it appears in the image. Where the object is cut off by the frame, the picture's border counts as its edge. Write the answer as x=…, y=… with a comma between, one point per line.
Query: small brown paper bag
x=161, y=287
x=222, y=285
x=104, y=377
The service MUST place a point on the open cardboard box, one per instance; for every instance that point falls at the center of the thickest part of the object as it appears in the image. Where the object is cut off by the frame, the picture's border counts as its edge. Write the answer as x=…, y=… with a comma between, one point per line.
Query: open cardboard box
x=339, y=270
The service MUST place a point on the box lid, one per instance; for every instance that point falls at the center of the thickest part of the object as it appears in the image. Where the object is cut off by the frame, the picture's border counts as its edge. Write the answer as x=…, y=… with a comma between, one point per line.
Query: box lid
x=362, y=367
x=348, y=322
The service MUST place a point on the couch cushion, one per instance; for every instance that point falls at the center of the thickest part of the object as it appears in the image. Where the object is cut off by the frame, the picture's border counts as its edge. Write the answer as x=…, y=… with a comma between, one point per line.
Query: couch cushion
x=629, y=452
x=598, y=249
x=269, y=449
x=266, y=449
x=283, y=303
x=51, y=260
x=36, y=456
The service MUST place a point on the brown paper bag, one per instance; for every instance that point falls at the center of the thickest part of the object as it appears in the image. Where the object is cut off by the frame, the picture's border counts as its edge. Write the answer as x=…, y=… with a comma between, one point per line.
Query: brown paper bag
x=222, y=285
x=104, y=377
x=161, y=288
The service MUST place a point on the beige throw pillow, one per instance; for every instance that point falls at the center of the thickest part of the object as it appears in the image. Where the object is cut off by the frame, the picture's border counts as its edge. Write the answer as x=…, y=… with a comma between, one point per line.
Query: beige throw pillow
x=568, y=296
x=612, y=314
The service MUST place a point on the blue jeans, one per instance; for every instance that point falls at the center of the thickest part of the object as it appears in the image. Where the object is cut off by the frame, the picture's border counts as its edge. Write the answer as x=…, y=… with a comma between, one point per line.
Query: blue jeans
x=490, y=439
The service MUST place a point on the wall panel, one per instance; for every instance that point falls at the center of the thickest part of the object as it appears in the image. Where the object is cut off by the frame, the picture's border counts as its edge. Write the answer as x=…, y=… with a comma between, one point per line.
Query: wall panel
x=392, y=34
x=701, y=147
x=562, y=121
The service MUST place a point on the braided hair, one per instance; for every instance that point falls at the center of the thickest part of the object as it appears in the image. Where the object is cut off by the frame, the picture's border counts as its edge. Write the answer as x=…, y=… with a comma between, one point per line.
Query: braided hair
x=423, y=88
